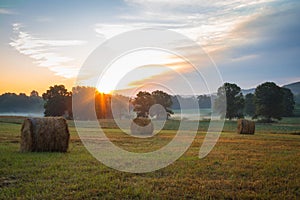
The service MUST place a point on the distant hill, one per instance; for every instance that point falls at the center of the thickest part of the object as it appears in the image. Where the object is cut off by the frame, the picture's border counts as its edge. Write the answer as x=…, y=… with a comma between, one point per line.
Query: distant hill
x=294, y=87
x=247, y=91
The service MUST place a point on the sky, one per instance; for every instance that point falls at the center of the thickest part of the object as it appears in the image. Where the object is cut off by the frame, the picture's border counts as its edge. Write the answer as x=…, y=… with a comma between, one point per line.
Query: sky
x=43, y=43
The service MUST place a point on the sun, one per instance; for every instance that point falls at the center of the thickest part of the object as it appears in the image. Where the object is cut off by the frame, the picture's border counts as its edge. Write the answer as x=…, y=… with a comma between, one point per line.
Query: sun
x=105, y=88
x=133, y=69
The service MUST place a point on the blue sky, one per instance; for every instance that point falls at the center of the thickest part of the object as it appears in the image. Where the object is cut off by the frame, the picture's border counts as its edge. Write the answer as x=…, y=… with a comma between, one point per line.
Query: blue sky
x=46, y=42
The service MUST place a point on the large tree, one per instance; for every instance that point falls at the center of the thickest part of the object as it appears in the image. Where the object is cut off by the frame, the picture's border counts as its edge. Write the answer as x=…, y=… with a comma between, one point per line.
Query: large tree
x=57, y=101
x=288, y=102
x=142, y=103
x=144, y=100
x=269, y=101
x=249, y=108
x=231, y=93
x=204, y=101
x=165, y=101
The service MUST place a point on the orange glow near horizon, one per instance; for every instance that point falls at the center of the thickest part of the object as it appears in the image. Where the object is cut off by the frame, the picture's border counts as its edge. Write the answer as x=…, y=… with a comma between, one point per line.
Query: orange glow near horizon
x=104, y=90
x=25, y=81
x=137, y=67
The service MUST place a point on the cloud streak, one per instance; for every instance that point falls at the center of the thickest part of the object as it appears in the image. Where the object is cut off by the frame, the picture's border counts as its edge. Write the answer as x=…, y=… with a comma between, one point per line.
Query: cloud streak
x=44, y=51
x=212, y=24
x=265, y=47
x=4, y=11
x=209, y=23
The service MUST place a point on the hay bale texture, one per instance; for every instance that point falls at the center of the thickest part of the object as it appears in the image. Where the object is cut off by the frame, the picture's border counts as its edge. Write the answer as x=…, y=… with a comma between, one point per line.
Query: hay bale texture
x=245, y=127
x=45, y=134
x=141, y=126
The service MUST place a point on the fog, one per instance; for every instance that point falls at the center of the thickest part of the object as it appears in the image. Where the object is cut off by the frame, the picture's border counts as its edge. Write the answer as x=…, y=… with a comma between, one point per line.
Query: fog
x=22, y=114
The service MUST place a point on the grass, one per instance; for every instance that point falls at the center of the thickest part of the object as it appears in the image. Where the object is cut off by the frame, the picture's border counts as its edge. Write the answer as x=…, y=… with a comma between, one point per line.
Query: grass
x=261, y=166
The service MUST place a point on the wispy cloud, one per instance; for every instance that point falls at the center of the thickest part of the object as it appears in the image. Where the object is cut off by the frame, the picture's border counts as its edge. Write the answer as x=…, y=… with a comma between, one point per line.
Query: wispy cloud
x=209, y=23
x=266, y=45
x=44, y=51
x=206, y=22
x=5, y=11
x=239, y=34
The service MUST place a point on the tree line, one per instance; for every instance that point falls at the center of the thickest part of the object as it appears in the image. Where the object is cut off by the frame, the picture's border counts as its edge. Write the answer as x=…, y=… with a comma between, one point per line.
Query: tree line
x=21, y=103
x=90, y=103
x=268, y=102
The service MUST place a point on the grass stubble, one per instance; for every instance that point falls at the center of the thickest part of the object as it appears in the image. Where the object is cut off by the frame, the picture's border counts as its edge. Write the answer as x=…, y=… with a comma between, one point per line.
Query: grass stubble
x=261, y=166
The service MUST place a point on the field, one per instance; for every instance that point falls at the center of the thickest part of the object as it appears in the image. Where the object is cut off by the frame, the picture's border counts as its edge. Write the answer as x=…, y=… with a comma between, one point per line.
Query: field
x=261, y=166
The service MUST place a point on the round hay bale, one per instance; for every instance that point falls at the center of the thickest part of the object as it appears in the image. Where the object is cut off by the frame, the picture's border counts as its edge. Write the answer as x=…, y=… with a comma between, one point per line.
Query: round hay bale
x=45, y=134
x=245, y=126
x=141, y=126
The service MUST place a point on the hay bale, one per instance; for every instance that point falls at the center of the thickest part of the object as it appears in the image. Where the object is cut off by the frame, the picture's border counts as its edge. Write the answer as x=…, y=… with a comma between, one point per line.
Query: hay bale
x=45, y=134
x=245, y=126
x=141, y=126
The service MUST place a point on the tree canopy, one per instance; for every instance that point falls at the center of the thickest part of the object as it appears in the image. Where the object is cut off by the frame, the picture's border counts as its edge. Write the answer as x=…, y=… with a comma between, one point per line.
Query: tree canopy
x=13, y=103
x=165, y=101
x=249, y=108
x=142, y=103
x=204, y=101
x=269, y=101
x=231, y=93
x=288, y=102
x=58, y=101
x=144, y=100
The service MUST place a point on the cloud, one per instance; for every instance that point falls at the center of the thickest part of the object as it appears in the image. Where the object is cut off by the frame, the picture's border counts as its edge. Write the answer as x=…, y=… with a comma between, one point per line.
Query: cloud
x=258, y=38
x=210, y=23
x=44, y=51
x=4, y=11
x=265, y=47
x=206, y=22
x=266, y=34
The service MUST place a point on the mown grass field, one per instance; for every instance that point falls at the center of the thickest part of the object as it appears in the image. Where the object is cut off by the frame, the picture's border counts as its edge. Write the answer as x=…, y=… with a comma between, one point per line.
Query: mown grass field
x=261, y=166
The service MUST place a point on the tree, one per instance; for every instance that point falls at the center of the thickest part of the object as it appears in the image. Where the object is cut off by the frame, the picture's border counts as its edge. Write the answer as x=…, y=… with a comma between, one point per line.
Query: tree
x=119, y=106
x=269, y=101
x=204, y=101
x=288, y=102
x=142, y=103
x=57, y=101
x=11, y=102
x=34, y=93
x=231, y=93
x=83, y=102
x=249, y=108
x=165, y=101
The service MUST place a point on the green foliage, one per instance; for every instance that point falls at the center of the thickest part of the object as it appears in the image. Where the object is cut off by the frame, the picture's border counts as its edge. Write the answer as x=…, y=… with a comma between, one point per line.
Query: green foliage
x=164, y=100
x=249, y=108
x=144, y=100
x=142, y=103
x=232, y=95
x=11, y=102
x=268, y=101
x=58, y=101
x=204, y=101
x=288, y=102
